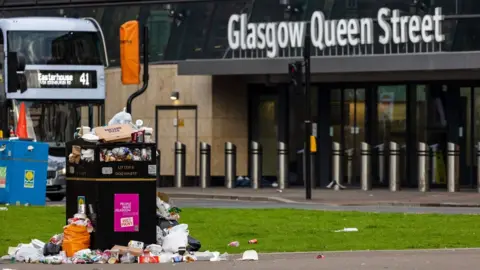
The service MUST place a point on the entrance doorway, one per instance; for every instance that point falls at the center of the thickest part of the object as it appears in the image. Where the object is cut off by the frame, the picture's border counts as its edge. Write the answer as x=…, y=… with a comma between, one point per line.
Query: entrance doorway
x=177, y=123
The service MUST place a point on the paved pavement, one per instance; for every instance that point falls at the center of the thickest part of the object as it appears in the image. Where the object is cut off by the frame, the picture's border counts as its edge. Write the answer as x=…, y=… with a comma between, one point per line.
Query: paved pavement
x=349, y=197
x=419, y=260
x=212, y=203
x=238, y=204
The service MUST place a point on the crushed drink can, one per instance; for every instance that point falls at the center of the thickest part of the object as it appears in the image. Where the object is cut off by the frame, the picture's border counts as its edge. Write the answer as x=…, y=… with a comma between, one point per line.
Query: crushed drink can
x=253, y=241
x=234, y=244
x=136, y=244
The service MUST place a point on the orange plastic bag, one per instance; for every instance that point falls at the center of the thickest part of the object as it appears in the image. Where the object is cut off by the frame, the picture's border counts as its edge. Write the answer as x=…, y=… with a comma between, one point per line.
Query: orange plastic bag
x=75, y=238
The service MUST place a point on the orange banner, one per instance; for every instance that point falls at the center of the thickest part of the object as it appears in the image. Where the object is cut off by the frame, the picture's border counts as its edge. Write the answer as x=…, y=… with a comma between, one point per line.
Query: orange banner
x=130, y=52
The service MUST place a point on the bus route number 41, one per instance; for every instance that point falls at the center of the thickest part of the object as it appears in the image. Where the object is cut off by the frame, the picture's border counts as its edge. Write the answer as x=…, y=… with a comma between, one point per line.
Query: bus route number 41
x=85, y=79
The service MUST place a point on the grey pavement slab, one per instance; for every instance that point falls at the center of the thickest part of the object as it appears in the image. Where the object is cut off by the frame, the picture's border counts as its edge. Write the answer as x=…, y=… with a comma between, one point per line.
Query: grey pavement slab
x=416, y=259
x=349, y=197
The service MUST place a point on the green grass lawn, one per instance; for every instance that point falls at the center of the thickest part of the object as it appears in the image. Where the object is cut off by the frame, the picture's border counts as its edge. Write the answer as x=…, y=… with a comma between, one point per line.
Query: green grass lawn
x=278, y=230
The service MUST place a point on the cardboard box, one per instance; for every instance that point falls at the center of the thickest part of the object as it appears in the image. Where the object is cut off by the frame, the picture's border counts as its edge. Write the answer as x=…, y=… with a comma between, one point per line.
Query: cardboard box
x=115, y=133
x=124, y=250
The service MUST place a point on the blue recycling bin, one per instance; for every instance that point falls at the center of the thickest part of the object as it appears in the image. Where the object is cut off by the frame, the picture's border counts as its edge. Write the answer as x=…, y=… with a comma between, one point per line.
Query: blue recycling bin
x=4, y=160
x=26, y=164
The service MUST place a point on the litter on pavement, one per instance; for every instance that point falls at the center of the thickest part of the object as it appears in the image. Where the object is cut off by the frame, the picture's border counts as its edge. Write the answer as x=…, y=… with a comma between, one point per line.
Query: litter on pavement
x=174, y=245
x=347, y=230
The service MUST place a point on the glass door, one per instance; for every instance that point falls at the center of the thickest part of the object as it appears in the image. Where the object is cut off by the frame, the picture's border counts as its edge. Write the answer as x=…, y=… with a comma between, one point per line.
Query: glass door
x=353, y=133
x=392, y=123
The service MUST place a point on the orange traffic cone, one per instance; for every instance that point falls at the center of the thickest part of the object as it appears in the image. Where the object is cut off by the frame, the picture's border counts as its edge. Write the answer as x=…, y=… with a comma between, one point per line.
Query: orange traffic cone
x=22, y=123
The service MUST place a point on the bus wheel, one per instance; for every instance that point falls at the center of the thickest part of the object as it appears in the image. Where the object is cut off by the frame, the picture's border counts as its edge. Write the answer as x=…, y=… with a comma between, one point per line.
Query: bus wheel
x=55, y=197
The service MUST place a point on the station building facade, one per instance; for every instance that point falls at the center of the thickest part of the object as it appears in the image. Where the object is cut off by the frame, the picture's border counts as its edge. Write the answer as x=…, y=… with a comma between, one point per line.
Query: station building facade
x=399, y=71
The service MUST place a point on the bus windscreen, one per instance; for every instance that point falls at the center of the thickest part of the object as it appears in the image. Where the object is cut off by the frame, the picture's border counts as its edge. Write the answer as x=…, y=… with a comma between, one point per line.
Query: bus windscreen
x=57, y=47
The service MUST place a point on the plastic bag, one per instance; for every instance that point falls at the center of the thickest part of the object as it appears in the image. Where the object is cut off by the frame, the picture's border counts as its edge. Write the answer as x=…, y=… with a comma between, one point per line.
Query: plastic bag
x=175, y=240
x=75, y=238
x=28, y=253
x=121, y=118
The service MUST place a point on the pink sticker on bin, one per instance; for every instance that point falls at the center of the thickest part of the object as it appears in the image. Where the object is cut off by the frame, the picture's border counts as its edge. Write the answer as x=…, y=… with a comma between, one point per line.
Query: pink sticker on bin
x=126, y=213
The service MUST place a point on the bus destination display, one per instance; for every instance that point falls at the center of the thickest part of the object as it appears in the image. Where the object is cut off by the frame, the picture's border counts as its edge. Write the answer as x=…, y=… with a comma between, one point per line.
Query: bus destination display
x=61, y=79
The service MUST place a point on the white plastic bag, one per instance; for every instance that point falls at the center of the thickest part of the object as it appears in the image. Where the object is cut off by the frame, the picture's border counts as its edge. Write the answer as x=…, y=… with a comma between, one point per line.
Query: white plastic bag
x=174, y=240
x=121, y=118
x=28, y=253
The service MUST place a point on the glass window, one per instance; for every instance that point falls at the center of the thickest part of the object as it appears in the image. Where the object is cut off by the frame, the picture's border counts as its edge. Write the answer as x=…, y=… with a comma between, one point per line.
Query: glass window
x=159, y=25
x=56, y=48
x=217, y=45
x=111, y=20
x=188, y=36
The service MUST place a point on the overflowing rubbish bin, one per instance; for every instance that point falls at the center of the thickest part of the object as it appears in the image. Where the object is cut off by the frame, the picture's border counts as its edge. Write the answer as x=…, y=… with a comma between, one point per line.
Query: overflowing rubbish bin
x=23, y=172
x=114, y=185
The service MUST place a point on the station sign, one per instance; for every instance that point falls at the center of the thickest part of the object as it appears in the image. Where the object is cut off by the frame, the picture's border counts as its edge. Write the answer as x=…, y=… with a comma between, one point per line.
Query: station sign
x=395, y=29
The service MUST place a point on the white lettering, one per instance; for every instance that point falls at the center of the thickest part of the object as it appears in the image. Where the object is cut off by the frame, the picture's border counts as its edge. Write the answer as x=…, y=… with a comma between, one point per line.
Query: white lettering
x=427, y=28
x=414, y=28
x=438, y=18
x=342, y=32
x=387, y=29
x=395, y=29
x=272, y=42
x=353, y=31
x=233, y=35
x=296, y=32
x=282, y=34
x=316, y=29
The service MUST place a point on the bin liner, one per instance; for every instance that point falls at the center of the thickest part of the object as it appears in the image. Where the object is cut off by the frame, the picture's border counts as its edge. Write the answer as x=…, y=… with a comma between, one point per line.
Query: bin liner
x=51, y=249
x=193, y=244
x=75, y=238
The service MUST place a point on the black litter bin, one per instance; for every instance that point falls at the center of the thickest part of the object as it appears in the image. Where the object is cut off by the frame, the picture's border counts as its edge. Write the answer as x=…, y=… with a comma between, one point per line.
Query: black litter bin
x=118, y=182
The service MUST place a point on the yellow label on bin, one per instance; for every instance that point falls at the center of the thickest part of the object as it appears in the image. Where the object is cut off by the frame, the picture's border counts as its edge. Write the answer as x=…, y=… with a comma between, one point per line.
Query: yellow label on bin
x=29, y=179
x=313, y=144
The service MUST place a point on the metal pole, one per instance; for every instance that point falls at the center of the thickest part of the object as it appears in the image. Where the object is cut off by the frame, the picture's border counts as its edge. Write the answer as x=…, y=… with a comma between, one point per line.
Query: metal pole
x=423, y=183
x=366, y=178
x=205, y=159
x=478, y=167
x=159, y=156
x=146, y=75
x=394, y=183
x=179, y=164
x=230, y=164
x=381, y=162
x=308, y=114
x=349, y=154
x=256, y=165
x=452, y=171
x=282, y=165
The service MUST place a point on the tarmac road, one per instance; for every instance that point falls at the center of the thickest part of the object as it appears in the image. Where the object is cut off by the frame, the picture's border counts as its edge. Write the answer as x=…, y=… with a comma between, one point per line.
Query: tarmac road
x=231, y=204
x=419, y=260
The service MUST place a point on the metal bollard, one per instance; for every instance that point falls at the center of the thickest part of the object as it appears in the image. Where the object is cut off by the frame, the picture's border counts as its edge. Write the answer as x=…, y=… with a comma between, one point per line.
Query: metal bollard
x=423, y=182
x=381, y=162
x=180, y=160
x=478, y=167
x=394, y=183
x=205, y=159
x=256, y=164
x=349, y=154
x=336, y=173
x=230, y=164
x=282, y=171
x=366, y=178
x=453, y=173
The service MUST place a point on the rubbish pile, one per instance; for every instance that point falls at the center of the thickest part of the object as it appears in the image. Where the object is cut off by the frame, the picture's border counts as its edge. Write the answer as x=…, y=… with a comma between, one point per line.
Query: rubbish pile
x=174, y=245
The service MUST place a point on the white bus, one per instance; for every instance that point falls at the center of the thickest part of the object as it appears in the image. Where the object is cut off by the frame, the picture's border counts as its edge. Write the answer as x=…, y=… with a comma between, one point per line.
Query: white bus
x=65, y=62
x=62, y=61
